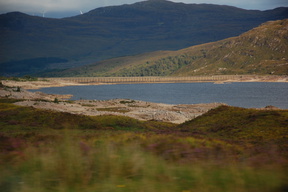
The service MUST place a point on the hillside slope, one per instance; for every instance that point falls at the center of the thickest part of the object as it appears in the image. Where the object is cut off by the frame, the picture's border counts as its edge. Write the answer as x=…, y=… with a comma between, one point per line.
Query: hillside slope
x=262, y=50
x=115, y=31
x=244, y=125
x=54, y=151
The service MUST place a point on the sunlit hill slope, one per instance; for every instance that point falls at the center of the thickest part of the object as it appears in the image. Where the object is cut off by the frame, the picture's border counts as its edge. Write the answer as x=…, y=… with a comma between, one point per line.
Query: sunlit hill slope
x=262, y=50
x=225, y=149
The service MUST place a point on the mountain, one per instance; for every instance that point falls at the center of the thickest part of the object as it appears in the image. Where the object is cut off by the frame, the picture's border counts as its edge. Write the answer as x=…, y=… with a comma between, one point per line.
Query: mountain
x=114, y=31
x=262, y=50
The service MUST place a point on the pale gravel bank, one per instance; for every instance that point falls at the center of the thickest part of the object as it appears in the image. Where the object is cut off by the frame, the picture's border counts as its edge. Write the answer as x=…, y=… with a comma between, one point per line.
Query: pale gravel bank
x=132, y=108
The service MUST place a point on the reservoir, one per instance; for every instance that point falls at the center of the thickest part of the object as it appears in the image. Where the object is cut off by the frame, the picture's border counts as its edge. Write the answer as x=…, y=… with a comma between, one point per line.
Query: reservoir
x=244, y=94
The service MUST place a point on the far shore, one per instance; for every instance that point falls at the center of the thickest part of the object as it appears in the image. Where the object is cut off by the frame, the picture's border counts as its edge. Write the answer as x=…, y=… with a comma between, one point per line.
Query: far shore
x=80, y=81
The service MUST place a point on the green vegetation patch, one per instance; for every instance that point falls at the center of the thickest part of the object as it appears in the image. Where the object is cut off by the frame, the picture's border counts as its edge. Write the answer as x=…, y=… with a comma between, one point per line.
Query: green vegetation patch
x=24, y=78
x=9, y=100
x=27, y=118
x=127, y=101
x=114, y=109
x=110, y=161
x=240, y=124
x=114, y=122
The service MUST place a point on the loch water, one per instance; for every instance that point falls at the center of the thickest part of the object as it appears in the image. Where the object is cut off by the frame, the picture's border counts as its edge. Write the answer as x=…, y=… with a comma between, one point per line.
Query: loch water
x=244, y=94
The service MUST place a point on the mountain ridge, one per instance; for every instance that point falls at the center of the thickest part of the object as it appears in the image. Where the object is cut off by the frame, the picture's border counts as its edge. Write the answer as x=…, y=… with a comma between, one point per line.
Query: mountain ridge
x=116, y=31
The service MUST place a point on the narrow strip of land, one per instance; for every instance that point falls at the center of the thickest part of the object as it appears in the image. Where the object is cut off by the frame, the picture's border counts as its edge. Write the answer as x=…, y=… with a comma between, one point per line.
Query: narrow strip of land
x=72, y=81
x=164, y=79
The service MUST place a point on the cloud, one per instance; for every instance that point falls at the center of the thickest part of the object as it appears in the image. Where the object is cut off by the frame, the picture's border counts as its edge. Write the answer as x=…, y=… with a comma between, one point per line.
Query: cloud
x=56, y=5
x=44, y=5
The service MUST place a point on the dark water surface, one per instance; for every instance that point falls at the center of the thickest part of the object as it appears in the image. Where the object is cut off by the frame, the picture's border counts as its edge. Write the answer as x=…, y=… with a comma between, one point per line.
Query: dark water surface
x=247, y=95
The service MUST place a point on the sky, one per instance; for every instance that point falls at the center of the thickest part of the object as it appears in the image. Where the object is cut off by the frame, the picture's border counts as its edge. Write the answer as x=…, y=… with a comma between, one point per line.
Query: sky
x=62, y=8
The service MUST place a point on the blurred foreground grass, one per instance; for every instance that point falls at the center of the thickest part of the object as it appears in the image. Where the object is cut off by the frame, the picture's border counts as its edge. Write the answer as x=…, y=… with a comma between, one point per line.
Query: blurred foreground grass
x=49, y=151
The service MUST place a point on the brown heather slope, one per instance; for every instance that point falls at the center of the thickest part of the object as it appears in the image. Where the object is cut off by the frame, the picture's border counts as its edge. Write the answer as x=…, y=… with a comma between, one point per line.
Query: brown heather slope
x=262, y=50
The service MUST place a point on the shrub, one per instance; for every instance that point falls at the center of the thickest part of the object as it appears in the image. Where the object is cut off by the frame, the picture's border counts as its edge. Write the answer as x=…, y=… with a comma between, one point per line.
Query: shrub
x=56, y=100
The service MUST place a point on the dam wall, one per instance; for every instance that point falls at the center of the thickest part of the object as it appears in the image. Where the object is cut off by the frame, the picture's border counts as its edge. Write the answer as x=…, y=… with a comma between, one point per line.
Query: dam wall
x=153, y=79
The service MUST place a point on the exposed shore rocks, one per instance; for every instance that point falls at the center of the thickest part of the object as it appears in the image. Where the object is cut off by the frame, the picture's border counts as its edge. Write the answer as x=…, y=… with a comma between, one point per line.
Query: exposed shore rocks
x=136, y=109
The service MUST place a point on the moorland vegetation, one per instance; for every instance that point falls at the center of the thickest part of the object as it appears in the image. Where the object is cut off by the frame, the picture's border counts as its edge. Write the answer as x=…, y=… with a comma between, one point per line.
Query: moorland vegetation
x=226, y=149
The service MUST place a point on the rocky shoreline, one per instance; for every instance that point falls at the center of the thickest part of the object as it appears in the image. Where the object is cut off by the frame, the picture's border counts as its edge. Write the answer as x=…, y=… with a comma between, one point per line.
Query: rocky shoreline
x=140, y=110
